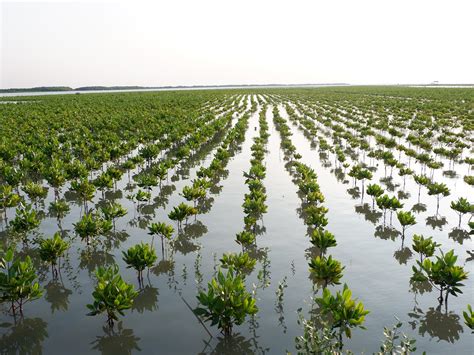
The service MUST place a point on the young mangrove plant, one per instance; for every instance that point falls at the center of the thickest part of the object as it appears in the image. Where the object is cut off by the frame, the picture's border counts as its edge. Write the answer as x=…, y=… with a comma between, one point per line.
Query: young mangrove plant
x=323, y=240
x=226, y=302
x=406, y=219
x=18, y=281
x=165, y=231
x=326, y=271
x=439, y=190
x=424, y=246
x=112, y=295
x=374, y=191
x=469, y=318
x=182, y=212
x=245, y=239
x=112, y=211
x=92, y=225
x=51, y=250
x=462, y=206
x=442, y=274
x=345, y=312
x=242, y=263
x=139, y=257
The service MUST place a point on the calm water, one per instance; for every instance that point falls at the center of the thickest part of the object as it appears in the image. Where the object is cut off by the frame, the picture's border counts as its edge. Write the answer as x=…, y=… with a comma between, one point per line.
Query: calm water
x=377, y=269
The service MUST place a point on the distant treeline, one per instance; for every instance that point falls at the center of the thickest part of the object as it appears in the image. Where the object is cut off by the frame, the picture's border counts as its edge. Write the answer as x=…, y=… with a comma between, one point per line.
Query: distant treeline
x=94, y=88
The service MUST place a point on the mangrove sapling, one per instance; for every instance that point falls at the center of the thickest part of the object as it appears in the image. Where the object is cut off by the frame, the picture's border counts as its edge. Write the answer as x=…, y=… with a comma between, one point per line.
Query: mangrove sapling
x=139, y=257
x=242, y=263
x=112, y=295
x=8, y=199
x=439, y=190
x=462, y=206
x=323, y=240
x=421, y=180
x=51, y=250
x=245, y=239
x=115, y=173
x=345, y=312
x=374, y=191
x=469, y=317
x=102, y=182
x=26, y=219
x=363, y=174
x=469, y=179
x=84, y=189
x=35, y=192
x=18, y=283
x=442, y=274
x=163, y=230
x=91, y=225
x=142, y=196
x=226, y=303
x=326, y=271
x=424, y=246
x=182, y=212
x=112, y=211
x=406, y=219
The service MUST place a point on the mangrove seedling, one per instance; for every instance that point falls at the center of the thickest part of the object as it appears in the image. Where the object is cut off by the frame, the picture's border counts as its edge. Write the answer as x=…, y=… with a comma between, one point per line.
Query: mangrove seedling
x=439, y=190
x=326, y=271
x=163, y=230
x=442, y=274
x=406, y=219
x=323, y=240
x=462, y=206
x=18, y=281
x=226, y=302
x=374, y=191
x=469, y=317
x=112, y=295
x=424, y=246
x=51, y=250
x=242, y=263
x=139, y=257
x=345, y=312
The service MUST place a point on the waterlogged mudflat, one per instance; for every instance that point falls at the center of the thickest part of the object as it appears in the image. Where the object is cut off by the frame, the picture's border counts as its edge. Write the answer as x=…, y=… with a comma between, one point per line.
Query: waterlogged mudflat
x=378, y=265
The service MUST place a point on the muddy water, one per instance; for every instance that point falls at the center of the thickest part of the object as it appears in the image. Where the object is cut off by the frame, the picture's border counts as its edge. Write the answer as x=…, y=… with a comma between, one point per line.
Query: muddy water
x=377, y=270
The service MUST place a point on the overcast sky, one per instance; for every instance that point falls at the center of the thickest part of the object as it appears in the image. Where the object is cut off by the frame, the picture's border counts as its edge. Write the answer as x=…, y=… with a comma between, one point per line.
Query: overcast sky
x=178, y=42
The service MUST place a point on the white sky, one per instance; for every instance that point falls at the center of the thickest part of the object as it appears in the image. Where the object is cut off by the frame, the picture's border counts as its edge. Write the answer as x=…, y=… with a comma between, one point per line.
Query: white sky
x=177, y=42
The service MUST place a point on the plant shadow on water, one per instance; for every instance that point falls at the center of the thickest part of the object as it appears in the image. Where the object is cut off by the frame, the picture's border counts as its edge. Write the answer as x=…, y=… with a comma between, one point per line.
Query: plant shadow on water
x=370, y=215
x=436, y=222
x=459, y=235
x=439, y=325
x=235, y=344
x=385, y=232
x=25, y=336
x=57, y=295
x=147, y=300
x=113, y=342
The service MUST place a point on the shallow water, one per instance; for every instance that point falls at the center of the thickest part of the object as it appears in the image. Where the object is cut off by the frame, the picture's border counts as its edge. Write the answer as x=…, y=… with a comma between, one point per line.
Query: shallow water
x=377, y=269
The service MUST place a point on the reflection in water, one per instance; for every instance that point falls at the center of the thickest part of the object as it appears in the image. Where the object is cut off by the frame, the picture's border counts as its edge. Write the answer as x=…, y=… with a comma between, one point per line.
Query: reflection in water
x=419, y=208
x=437, y=324
x=147, y=300
x=402, y=255
x=113, y=342
x=386, y=233
x=459, y=235
x=436, y=222
x=57, y=295
x=354, y=192
x=24, y=337
x=236, y=344
x=371, y=215
x=91, y=259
